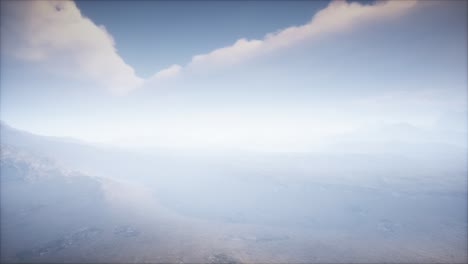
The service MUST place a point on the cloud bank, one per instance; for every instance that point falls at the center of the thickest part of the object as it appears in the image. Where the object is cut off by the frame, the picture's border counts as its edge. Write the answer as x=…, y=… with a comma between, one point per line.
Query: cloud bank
x=337, y=16
x=56, y=31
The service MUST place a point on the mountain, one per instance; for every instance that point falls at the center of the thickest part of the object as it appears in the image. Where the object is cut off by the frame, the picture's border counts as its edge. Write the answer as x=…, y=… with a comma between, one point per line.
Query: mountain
x=74, y=154
x=41, y=202
x=64, y=200
x=51, y=213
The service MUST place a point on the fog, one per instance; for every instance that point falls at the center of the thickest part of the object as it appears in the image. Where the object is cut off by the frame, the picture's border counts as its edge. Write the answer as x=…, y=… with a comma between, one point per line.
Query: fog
x=233, y=132
x=391, y=193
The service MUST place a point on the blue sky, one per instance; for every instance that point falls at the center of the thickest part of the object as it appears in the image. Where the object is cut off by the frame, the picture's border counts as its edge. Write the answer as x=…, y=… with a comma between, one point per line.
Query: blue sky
x=209, y=72
x=180, y=29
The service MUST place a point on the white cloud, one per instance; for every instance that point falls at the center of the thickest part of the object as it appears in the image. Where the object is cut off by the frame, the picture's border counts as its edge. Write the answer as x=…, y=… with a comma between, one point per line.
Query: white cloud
x=237, y=52
x=55, y=33
x=337, y=16
x=168, y=72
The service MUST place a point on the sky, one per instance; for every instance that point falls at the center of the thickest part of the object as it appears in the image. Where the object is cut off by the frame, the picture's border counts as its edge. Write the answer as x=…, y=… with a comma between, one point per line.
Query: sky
x=272, y=75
